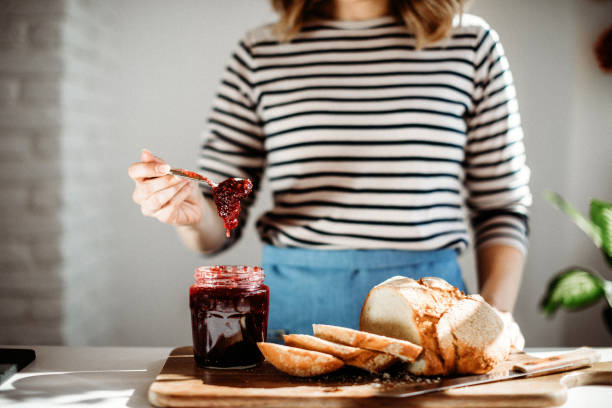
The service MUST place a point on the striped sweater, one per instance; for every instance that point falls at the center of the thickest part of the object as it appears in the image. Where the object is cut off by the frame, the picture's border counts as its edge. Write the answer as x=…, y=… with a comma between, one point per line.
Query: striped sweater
x=368, y=143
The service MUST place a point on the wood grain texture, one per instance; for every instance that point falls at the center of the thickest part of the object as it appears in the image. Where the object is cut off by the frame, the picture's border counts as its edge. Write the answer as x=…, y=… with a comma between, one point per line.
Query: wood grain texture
x=581, y=357
x=182, y=384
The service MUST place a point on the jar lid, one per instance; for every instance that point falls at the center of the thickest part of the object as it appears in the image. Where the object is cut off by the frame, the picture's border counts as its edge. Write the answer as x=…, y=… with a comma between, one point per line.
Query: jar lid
x=240, y=276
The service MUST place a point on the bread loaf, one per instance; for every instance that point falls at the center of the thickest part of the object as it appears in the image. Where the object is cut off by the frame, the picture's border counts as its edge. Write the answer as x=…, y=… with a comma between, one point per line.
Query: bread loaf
x=470, y=339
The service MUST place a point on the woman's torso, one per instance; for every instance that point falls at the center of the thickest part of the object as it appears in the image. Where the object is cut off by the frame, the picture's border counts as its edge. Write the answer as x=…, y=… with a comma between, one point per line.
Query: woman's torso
x=364, y=136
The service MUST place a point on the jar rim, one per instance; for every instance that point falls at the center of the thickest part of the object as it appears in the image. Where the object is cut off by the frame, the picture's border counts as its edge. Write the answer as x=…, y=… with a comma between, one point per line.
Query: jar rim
x=239, y=266
x=229, y=275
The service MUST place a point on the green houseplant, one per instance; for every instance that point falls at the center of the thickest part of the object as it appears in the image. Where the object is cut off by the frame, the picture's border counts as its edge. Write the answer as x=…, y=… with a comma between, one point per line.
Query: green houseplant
x=576, y=287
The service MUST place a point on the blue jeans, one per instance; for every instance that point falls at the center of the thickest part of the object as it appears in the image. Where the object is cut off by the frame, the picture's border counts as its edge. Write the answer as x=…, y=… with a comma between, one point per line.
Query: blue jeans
x=329, y=286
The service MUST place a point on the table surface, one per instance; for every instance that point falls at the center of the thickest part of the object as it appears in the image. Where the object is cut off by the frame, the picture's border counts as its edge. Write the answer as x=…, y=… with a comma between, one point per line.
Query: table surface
x=120, y=377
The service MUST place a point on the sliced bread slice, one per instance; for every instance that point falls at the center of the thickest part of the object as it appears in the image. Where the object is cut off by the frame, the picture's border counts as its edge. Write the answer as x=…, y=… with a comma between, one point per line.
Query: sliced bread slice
x=313, y=343
x=299, y=362
x=404, y=350
x=373, y=361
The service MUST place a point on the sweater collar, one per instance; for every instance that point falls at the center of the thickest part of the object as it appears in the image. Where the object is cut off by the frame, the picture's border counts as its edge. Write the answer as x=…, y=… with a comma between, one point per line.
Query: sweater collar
x=354, y=24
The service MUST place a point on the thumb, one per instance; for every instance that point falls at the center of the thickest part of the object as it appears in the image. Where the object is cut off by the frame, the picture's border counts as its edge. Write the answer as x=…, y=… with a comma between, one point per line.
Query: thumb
x=146, y=156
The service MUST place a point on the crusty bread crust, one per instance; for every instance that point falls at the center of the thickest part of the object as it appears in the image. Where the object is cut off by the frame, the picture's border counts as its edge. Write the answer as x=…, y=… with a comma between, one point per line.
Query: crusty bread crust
x=402, y=349
x=441, y=285
x=299, y=362
x=372, y=361
x=446, y=344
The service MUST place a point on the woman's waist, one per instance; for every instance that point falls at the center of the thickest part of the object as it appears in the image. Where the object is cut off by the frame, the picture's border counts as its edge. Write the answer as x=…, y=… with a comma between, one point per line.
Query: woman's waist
x=354, y=258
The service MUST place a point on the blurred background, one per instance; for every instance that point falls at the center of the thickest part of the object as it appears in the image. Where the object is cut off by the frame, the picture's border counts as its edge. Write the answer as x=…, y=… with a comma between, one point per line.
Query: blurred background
x=85, y=84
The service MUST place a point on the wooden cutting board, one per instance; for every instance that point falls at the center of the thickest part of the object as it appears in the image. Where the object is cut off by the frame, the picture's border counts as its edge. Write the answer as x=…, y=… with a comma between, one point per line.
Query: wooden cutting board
x=182, y=383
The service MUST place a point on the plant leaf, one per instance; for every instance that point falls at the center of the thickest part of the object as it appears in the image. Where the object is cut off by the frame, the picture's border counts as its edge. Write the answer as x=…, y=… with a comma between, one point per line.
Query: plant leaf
x=601, y=215
x=573, y=288
x=607, y=287
x=592, y=230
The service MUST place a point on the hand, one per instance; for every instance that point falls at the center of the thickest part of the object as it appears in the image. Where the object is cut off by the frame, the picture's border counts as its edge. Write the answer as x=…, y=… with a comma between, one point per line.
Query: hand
x=512, y=329
x=169, y=199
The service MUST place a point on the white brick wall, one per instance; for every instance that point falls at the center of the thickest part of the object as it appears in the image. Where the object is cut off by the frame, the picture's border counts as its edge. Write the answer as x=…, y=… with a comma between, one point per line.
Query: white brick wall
x=9, y=91
x=87, y=144
x=30, y=259
x=56, y=129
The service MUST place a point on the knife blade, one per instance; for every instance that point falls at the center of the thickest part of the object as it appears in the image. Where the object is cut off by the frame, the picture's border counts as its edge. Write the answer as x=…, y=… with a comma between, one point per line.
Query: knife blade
x=581, y=357
x=191, y=175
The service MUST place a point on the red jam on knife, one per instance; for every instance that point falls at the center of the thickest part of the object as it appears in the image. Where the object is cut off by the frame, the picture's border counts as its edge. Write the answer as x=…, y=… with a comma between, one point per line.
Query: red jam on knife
x=229, y=315
x=193, y=175
x=227, y=196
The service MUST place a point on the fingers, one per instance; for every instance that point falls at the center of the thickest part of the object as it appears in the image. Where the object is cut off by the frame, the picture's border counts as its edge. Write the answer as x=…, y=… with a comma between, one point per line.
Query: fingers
x=147, y=156
x=163, y=197
x=167, y=214
x=517, y=340
x=147, y=187
x=159, y=194
x=140, y=171
x=149, y=166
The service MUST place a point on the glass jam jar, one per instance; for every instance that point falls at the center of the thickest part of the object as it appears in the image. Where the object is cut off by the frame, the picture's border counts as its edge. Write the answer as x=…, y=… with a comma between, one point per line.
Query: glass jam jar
x=229, y=315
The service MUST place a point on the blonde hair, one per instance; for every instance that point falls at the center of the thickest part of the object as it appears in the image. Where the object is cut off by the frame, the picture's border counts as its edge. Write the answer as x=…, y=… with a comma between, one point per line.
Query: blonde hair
x=429, y=20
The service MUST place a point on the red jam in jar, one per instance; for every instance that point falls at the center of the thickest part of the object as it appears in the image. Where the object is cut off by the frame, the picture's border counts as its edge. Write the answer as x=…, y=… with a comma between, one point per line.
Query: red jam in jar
x=229, y=315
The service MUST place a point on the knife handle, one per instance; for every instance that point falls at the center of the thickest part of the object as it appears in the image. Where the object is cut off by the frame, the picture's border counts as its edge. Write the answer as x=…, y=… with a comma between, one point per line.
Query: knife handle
x=581, y=357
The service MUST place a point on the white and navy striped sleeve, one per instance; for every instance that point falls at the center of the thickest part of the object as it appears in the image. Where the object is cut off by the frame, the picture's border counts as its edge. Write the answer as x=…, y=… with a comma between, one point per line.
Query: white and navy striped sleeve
x=232, y=146
x=496, y=175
